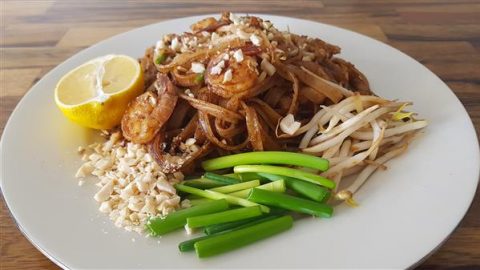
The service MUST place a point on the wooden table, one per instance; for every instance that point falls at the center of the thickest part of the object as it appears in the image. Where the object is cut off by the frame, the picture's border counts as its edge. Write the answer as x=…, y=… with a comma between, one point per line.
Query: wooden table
x=443, y=35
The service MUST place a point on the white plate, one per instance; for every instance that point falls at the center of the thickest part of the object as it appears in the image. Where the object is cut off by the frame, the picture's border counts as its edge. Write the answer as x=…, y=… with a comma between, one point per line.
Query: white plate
x=405, y=212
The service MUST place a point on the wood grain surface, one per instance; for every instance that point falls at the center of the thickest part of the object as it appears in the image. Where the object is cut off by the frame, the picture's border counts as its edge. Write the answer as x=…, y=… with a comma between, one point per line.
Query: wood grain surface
x=444, y=35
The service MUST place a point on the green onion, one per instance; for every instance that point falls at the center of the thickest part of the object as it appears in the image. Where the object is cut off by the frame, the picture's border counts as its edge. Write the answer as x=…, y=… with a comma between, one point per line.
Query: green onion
x=221, y=178
x=178, y=219
x=243, y=176
x=238, y=238
x=223, y=217
x=217, y=228
x=266, y=157
x=236, y=176
x=202, y=183
x=237, y=187
x=160, y=58
x=192, y=197
x=218, y=196
x=189, y=244
x=284, y=171
x=194, y=202
x=306, y=189
x=199, y=78
x=275, y=186
x=291, y=203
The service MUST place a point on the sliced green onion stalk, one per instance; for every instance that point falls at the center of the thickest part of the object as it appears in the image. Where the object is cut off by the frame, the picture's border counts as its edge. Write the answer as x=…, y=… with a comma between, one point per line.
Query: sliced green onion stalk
x=275, y=186
x=306, y=189
x=223, y=217
x=218, y=196
x=243, y=176
x=266, y=157
x=160, y=58
x=221, y=178
x=192, y=197
x=214, y=230
x=203, y=183
x=194, y=202
x=284, y=171
x=217, y=228
x=291, y=203
x=235, y=175
x=178, y=219
x=237, y=187
x=189, y=244
x=238, y=238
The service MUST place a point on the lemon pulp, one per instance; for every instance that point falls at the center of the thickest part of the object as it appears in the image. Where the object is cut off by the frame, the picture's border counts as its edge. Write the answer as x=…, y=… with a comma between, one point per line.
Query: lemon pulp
x=96, y=94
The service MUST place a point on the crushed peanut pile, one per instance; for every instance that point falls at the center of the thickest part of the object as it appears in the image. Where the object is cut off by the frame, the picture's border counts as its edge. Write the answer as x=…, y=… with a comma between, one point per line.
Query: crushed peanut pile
x=132, y=186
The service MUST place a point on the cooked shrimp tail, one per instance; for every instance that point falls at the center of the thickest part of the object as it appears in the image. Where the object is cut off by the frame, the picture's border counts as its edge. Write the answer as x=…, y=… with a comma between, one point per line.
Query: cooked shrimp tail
x=149, y=112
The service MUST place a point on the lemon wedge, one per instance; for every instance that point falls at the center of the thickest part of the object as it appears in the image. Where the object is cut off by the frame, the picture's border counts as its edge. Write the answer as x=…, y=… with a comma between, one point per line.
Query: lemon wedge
x=97, y=93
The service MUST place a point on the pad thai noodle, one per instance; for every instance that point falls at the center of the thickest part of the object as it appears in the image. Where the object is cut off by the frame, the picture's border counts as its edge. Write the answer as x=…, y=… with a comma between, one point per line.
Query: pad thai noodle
x=238, y=84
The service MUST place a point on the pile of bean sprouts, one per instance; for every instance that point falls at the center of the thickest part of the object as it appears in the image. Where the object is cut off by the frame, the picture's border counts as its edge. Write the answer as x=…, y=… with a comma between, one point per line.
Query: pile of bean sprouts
x=358, y=136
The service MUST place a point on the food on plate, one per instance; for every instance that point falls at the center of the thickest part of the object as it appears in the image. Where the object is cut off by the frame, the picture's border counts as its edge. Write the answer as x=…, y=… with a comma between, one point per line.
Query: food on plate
x=236, y=126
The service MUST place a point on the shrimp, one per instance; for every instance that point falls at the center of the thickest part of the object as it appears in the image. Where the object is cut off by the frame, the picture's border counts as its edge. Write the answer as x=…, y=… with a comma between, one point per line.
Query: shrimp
x=209, y=24
x=226, y=77
x=149, y=112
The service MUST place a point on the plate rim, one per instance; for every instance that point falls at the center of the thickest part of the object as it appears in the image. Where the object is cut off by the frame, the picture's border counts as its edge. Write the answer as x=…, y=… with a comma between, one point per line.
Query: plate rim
x=59, y=66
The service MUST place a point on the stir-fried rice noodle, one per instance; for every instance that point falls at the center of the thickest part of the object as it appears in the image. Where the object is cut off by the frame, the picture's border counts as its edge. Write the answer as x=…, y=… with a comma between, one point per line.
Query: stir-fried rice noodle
x=236, y=85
